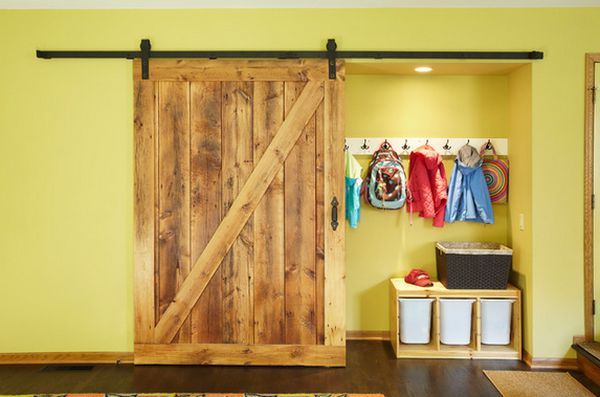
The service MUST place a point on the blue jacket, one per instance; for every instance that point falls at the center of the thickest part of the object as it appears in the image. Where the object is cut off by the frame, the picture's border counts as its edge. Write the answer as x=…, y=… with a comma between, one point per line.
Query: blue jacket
x=468, y=195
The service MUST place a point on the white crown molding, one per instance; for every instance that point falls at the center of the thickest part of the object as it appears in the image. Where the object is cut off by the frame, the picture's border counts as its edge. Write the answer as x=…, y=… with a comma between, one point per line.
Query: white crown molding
x=171, y=4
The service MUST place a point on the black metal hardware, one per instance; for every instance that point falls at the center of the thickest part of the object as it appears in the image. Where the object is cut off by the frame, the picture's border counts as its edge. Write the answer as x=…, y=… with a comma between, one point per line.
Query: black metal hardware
x=364, y=146
x=145, y=46
x=441, y=54
x=331, y=54
x=346, y=147
x=405, y=147
x=334, y=215
x=488, y=145
x=468, y=140
x=88, y=54
x=386, y=145
x=331, y=47
x=533, y=55
x=183, y=54
x=426, y=141
x=447, y=146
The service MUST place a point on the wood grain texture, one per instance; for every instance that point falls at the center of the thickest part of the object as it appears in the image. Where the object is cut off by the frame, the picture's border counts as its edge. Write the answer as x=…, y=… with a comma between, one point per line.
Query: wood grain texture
x=300, y=271
x=335, y=276
x=588, y=190
x=269, y=258
x=476, y=324
x=143, y=243
x=242, y=252
x=588, y=368
x=549, y=363
x=436, y=328
x=239, y=213
x=438, y=289
x=238, y=70
x=205, y=97
x=236, y=167
x=67, y=358
x=394, y=318
x=517, y=325
x=239, y=354
x=320, y=224
x=174, y=194
x=370, y=369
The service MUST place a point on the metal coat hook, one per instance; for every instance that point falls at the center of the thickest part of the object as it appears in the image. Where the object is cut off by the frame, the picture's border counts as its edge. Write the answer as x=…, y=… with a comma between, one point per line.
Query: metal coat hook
x=426, y=141
x=386, y=144
x=346, y=147
x=488, y=145
x=468, y=140
x=365, y=146
x=447, y=146
x=405, y=147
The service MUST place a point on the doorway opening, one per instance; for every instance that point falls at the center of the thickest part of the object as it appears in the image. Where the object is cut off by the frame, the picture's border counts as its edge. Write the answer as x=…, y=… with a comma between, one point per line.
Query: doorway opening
x=591, y=186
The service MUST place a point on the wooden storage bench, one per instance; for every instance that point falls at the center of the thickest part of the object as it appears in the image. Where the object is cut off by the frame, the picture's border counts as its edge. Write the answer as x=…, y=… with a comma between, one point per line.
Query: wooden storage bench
x=434, y=349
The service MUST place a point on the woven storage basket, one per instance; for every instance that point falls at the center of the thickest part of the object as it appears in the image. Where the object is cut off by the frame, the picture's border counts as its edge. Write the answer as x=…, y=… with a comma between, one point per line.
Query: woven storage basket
x=473, y=265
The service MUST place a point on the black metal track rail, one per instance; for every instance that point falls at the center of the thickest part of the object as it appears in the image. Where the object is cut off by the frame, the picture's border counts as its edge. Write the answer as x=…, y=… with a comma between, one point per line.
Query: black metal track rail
x=331, y=54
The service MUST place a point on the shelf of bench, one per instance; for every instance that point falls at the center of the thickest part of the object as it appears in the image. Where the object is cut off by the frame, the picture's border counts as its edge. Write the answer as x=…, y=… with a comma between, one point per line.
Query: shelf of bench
x=475, y=350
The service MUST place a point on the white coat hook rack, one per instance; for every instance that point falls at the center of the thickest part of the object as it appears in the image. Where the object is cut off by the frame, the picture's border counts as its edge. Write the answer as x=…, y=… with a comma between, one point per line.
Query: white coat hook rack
x=403, y=146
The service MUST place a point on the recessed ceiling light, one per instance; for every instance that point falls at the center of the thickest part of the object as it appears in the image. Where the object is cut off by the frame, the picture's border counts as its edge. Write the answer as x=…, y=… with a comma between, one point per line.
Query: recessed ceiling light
x=423, y=69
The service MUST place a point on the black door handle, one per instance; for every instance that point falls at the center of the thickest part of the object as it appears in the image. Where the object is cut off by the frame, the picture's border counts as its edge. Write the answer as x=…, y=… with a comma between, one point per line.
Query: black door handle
x=334, y=214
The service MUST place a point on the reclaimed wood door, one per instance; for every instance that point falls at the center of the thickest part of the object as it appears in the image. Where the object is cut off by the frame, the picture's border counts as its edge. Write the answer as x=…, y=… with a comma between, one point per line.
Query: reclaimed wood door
x=237, y=167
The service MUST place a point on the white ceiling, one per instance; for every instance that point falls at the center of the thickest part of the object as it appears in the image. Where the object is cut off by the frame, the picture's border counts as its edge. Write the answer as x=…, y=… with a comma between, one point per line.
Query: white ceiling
x=113, y=4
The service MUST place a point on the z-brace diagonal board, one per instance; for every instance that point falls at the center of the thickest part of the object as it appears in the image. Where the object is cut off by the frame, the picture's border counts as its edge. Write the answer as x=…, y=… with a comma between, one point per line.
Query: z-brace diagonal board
x=239, y=213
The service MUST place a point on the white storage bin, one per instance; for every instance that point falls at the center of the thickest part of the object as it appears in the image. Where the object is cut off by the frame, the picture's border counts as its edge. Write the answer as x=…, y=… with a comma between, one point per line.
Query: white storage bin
x=495, y=321
x=415, y=320
x=455, y=321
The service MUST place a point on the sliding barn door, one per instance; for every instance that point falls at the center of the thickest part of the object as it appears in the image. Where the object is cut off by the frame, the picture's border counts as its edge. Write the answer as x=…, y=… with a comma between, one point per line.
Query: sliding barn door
x=238, y=176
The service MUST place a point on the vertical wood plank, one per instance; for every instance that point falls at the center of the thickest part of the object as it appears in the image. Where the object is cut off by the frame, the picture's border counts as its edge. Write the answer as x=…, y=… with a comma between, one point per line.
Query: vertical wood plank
x=206, y=317
x=588, y=191
x=335, y=286
x=144, y=141
x=174, y=204
x=237, y=165
x=157, y=312
x=300, y=274
x=435, y=325
x=476, y=325
x=516, y=324
x=239, y=213
x=320, y=225
x=269, y=258
x=394, y=318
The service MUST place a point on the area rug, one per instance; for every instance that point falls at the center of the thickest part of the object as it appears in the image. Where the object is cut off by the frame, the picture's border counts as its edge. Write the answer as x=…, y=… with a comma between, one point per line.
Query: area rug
x=197, y=395
x=533, y=384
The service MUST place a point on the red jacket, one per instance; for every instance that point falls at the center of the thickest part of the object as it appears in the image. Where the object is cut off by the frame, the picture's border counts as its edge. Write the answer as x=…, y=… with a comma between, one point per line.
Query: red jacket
x=427, y=184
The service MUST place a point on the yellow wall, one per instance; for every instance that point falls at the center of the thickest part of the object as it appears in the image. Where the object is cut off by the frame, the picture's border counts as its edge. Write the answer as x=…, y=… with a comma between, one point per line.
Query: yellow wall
x=66, y=153
x=385, y=245
x=433, y=106
x=519, y=148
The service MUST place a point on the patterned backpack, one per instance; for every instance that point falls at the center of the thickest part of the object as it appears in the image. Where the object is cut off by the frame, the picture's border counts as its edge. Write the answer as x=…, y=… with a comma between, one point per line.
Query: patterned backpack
x=385, y=182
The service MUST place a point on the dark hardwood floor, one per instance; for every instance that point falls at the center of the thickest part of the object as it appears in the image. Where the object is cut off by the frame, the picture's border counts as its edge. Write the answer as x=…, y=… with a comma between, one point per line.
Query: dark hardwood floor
x=371, y=368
